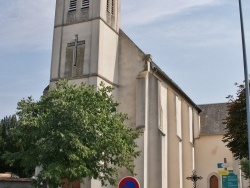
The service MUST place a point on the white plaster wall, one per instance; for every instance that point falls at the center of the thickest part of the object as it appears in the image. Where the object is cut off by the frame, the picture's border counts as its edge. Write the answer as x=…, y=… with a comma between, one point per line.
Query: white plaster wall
x=154, y=178
x=131, y=64
x=108, y=53
x=163, y=112
x=55, y=59
x=59, y=14
x=187, y=151
x=209, y=151
x=173, y=143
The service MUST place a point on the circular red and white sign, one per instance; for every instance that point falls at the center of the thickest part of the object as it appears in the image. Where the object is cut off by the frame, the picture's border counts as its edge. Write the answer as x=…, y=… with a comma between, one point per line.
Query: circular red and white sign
x=129, y=182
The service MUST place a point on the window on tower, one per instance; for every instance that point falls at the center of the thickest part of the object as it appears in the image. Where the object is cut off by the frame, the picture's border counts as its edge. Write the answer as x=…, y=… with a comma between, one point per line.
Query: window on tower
x=85, y=4
x=112, y=7
x=111, y=11
x=108, y=5
x=72, y=5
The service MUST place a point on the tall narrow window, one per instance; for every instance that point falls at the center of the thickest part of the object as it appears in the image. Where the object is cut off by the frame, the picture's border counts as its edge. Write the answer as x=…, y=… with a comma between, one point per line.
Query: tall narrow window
x=85, y=3
x=112, y=7
x=178, y=117
x=108, y=5
x=72, y=5
x=191, y=130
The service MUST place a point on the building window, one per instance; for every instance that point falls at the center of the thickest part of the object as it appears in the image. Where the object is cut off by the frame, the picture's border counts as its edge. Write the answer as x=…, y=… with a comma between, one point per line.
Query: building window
x=111, y=11
x=85, y=4
x=191, y=130
x=178, y=117
x=108, y=5
x=72, y=5
x=112, y=7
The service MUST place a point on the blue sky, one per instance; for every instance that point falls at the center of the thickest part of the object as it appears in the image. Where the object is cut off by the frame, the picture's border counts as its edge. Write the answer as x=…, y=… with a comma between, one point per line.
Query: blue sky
x=197, y=43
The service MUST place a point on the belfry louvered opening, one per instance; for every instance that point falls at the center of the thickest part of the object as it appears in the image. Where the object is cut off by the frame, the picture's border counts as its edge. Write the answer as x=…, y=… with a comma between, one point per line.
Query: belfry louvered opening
x=85, y=3
x=108, y=5
x=72, y=5
x=112, y=7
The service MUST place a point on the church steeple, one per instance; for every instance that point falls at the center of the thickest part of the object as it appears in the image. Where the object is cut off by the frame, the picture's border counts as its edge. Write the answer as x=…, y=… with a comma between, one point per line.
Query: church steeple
x=85, y=40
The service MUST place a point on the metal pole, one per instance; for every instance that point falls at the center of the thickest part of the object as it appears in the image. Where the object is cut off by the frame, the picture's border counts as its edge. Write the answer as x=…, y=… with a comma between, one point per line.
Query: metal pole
x=246, y=76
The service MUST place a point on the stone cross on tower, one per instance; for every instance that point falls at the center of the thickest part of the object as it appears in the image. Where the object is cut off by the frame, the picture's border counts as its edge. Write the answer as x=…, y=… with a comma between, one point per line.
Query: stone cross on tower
x=85, y=43
x=74, y=58
x=75, y=50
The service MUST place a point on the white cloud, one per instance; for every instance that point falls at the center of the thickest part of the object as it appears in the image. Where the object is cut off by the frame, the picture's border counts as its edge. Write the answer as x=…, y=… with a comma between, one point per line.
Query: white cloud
x=26, y=24
x=198, y=33
x=149, y=11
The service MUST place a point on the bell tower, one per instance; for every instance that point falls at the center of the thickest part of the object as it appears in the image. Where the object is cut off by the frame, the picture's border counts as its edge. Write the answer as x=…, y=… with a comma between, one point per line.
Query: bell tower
x=85, y=42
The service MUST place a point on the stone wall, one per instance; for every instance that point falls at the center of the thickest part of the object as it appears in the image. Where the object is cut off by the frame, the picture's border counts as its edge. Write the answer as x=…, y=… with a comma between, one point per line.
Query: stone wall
x=16, y=183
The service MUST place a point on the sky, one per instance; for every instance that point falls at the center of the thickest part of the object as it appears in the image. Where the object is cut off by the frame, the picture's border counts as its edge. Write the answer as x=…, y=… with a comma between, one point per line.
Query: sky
x=197, y=43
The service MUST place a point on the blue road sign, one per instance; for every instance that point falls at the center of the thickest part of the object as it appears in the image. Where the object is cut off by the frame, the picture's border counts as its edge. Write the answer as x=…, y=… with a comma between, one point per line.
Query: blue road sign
x=129, y=182
x=230, y=181
x=219, y=165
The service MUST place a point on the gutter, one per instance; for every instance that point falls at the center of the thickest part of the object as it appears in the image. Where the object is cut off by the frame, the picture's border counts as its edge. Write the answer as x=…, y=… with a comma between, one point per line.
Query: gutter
x=157, y=70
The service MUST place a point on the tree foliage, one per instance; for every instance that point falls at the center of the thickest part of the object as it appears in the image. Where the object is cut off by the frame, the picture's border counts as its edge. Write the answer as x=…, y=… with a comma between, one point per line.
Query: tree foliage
x=236, y=124
x=7, y=144
x=244, y=163
x=74, y=132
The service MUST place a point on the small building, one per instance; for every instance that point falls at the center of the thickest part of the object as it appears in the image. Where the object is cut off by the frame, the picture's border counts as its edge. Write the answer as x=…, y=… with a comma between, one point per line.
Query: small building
x=211, y=151
x=8, y=180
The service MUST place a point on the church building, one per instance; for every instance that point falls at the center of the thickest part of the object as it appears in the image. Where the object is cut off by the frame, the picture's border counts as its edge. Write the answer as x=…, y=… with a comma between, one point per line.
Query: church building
x=90, y=47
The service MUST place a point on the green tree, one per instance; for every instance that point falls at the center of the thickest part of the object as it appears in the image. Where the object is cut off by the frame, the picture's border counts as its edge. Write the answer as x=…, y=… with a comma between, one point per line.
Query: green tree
x=236, y=124
x=236, y=138
x=7, y=144
x=244, y=163
x=74, y=132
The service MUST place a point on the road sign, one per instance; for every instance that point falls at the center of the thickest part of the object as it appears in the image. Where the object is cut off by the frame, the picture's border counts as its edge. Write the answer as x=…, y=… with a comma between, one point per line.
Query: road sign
x=230, y=181
x=219, y=165
x=129, y=182
x=226, y=165
x=223, y=172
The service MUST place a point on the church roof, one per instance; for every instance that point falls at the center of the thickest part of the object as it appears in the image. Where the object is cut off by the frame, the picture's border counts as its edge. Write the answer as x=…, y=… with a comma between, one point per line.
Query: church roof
x=173, y=84
x=164, y=76
x=212, y=118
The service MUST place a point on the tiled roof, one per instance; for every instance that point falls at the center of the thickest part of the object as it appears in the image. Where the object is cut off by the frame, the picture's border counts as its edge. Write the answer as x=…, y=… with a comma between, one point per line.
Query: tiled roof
x=212, y=118
x=15, y=179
